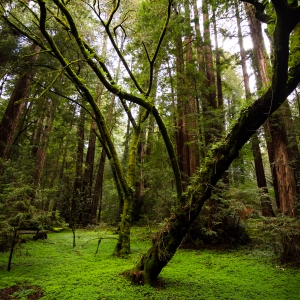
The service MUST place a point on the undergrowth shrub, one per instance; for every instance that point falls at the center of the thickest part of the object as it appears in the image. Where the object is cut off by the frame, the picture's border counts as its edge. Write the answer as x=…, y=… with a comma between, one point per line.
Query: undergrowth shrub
x=283, y=234
x=223, y=219
x=17, y=212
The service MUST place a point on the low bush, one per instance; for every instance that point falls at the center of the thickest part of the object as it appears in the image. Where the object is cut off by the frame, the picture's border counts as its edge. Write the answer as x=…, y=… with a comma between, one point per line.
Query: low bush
x=283, y=235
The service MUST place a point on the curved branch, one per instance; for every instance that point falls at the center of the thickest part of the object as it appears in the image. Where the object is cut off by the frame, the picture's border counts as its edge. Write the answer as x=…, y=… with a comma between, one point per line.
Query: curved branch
x=114, y=10
x=79, y=84
x=152, y=62
x=88, y=47
x=123, y=61
x=128, y=112
x=259, y=10
x=115, y=46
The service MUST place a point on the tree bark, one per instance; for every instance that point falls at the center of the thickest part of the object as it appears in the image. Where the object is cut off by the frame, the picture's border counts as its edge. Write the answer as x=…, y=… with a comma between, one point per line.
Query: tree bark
x=181, y=138
x=15, y=106
x=266, y=205
x=284, y=178
x=87, y=182
x=186, y=135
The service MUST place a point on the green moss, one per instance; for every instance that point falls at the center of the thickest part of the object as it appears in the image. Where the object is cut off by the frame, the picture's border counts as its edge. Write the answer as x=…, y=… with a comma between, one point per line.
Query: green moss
x=66, y=273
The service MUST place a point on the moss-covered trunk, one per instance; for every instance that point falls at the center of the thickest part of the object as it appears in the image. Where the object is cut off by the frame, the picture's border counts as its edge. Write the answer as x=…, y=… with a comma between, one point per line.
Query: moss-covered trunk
x=123, y=244
x=222, y=154
x=168, y=239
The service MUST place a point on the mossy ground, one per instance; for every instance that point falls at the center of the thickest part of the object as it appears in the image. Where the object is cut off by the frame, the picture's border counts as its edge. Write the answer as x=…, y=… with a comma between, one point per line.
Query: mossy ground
x=66, y=273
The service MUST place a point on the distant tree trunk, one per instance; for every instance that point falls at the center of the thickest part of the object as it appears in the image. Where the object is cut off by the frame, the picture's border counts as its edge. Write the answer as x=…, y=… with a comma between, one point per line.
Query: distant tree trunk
x=220, y=100
x=201, y=83
x=87, y=183
x=181, y=138
x=60, y=178
x=54, y=173
x=58, y=204
x=89, y=162
x=98, y=189
x=42, y=146
x=212, y=128
x=76, y=209
x=280, y=158
x=36, y=135
x=186, y=118
x=55, y=165
x=199, y=45
x=218, y=71
x=139, y=185
x=191, y=105
x=266, y=205
x=89, y=212
x=15, y=106
x=293, y=149
x=265, y=200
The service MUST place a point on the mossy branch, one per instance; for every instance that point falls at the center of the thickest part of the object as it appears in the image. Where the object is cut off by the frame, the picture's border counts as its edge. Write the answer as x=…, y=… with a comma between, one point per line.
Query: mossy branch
x=99, y=117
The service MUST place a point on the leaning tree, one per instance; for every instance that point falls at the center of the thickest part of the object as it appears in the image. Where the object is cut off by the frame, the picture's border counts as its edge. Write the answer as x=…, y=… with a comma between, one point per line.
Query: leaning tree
x=49, y=16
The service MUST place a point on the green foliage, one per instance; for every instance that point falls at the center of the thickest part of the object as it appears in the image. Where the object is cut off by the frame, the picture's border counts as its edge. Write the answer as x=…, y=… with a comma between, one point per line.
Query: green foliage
x=223, y=219
x=283, y=235
x=65, y=273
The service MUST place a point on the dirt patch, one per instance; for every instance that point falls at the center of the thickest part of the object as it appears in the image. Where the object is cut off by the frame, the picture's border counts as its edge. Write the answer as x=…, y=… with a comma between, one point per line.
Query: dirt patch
x=29, y=292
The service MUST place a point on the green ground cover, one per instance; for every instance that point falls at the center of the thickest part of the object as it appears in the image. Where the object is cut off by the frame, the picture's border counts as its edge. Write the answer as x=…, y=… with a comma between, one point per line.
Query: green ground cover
x=66, y=273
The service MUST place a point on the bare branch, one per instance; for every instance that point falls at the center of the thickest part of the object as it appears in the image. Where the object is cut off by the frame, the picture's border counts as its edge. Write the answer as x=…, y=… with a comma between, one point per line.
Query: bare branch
x=152, y=62
x=129, y=114
x=147, y=53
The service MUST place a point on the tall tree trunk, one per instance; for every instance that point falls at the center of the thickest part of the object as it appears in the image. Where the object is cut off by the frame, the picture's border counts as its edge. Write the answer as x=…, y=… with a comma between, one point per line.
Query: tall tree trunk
x=220, y=100
x=87, y=181
x=139, y=185
x=266, y=205
x=210, y=102
x=76, y=208
x=181, y=138
x=36, y=135
x=186, y=136
x=201, y=82
x=265, y=200
x=191, y=105
x=277, y=142
x=15, y=106
x=60, y=178
x=98, y=189
x=64, y=206
x=40, y=156
x=88, y=217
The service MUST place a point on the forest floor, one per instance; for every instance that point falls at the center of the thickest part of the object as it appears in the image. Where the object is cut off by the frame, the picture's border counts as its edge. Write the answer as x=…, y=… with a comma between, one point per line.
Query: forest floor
x=53, y=269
